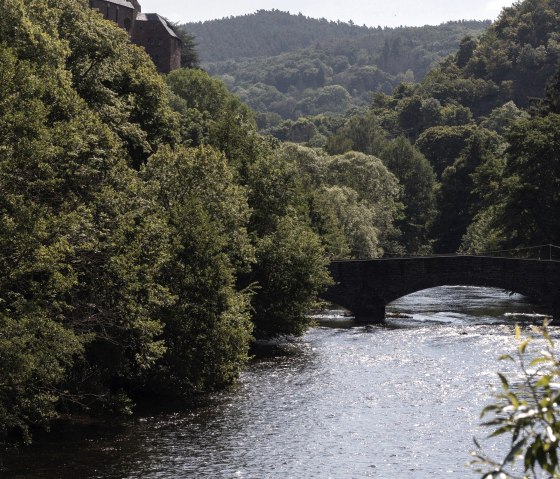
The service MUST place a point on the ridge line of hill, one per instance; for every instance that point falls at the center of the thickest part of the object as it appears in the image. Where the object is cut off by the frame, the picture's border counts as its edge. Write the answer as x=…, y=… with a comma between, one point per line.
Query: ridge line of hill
x=272, y=32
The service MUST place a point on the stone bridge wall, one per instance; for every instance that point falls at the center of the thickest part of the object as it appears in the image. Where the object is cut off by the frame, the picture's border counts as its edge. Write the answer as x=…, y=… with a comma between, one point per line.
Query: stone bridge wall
x=366, y=287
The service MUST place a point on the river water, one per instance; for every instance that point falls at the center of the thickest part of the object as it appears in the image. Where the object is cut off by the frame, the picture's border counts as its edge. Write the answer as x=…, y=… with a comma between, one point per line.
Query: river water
x=345, y=401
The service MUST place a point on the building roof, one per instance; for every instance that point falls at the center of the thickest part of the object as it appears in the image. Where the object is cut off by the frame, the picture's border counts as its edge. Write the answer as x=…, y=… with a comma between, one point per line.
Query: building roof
x=154, y=17
x=122, y=3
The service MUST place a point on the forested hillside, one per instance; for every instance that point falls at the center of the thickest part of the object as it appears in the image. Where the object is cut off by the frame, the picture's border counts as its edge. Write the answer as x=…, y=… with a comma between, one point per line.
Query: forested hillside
x=286, y=66
x=148, y=233
x=266, y=33
x=486, y=119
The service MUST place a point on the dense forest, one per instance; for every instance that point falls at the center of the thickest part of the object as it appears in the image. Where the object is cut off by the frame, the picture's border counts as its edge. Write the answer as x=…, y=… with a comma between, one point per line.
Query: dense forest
x=486, y=119
x=266, y=33
x=285, y=66
x=149, y=232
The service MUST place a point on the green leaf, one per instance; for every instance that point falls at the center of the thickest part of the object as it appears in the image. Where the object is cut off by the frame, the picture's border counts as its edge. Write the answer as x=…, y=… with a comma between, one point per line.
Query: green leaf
x=515, y=450
x=505, y=383
x=487, y=409
x=538, y=360
x=543, y=382
x=501, y=430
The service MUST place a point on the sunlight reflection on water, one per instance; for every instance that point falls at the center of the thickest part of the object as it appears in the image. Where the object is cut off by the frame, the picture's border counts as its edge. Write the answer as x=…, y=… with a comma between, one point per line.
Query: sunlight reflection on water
x=348, y=401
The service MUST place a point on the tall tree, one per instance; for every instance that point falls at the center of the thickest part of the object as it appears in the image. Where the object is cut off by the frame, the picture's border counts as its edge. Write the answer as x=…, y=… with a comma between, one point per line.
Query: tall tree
x=207, y=327
x=532, y=205
x=418, y=181
x=457, y=202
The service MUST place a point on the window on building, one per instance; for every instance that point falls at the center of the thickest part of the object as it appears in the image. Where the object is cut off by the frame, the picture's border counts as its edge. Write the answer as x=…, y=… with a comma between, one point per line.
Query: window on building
x=117, y=15
x=127, y=24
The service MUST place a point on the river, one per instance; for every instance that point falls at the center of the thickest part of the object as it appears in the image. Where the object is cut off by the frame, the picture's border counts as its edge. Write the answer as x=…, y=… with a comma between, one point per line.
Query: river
x=400, y=400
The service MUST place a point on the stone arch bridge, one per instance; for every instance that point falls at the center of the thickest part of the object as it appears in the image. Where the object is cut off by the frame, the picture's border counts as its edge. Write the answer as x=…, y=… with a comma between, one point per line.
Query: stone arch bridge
x=365, y=287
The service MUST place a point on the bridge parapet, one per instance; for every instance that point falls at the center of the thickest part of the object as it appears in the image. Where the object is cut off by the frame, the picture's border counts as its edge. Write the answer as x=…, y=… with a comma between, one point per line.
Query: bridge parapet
x=365, y=287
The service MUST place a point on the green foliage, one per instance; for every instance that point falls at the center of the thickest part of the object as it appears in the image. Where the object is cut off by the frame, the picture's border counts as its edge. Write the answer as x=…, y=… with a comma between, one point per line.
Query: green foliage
x=502, y=118
x=415, y=174
x=456, y=115
x=347, y=224
x=418, y=181
x=361, y=132
x=117, y=80
x=449, y=116
x=291, y=65
x=373, y=182
x=331, y=99
x=526, y=413
x=351, y=200
x=442, y=145
x=448, y=84
x=274, y=192
x=484, y=234
x=518, y=190
x=532, y=206
x=79, y=250
x=242, y=36
x=36, y=353
x=207, y=326
x=210, y=115
x=552, y=100
x=198, y=91
x=410, y=115
x=458, y=201
x=512, y=61
x=290, y=271
x=312, y=131
x=466, y=50
x=522, y=46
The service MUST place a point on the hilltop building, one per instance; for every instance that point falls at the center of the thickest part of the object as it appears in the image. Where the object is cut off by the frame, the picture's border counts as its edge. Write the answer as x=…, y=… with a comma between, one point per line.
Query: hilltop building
x=148, y=30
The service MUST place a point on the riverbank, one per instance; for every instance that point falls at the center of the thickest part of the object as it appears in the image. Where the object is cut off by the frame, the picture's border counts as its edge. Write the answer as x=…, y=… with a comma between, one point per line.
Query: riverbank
x=395, y=400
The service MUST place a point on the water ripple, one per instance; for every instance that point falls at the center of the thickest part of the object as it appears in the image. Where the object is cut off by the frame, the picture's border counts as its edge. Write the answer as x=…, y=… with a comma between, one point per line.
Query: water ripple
x=346, y=401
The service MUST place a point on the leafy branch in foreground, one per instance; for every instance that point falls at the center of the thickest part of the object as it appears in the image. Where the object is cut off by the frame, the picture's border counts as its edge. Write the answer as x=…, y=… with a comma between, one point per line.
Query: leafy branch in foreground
x=527, y=412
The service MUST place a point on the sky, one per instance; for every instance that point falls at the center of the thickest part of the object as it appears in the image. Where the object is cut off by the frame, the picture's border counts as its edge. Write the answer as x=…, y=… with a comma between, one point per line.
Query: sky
x=362, y=12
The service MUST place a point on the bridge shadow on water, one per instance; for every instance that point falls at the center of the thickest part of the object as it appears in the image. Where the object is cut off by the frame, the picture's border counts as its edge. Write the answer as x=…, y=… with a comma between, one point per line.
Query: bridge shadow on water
x=445, y=306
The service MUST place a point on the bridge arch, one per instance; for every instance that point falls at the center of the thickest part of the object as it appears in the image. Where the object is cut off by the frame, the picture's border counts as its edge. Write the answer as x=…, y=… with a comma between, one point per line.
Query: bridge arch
x=422, y=284
x=366, y=287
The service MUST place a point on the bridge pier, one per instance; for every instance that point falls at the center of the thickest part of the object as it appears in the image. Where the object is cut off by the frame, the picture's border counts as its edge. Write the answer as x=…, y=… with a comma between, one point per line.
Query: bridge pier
x=373, y=313
x=366, y=286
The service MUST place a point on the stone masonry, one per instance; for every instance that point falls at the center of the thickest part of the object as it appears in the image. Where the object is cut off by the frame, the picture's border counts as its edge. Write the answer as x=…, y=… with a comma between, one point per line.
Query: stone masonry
x=148, y=30
x=366, y=287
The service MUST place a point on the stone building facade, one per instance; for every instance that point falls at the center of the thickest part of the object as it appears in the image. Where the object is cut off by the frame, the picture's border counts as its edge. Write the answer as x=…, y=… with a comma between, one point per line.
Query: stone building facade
x=148, y=30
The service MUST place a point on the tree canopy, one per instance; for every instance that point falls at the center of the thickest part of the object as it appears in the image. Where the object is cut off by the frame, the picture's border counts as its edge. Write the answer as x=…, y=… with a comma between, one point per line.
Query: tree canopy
x=149, y=232
x=292, y=65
